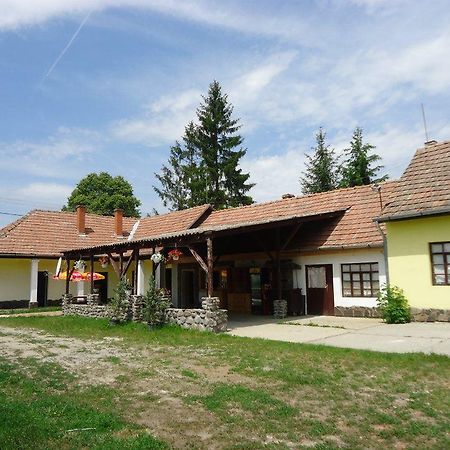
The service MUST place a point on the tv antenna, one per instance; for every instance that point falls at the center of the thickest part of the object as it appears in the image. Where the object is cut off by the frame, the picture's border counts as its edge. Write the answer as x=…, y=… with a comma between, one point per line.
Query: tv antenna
x=424, y=123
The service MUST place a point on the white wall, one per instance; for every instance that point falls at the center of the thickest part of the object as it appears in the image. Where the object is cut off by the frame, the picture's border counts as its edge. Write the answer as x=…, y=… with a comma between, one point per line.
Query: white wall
x=336, y=259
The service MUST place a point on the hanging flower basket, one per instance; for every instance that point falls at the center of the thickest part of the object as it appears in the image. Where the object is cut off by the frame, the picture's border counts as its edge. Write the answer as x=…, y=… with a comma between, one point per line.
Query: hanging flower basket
x=175, y=254
x=80, y=266
x=157, y=258
x=104, y=261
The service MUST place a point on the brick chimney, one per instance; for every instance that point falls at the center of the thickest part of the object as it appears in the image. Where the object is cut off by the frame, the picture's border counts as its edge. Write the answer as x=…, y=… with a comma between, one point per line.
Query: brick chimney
x=118, y=222
x=81, y=219
x=285, y=196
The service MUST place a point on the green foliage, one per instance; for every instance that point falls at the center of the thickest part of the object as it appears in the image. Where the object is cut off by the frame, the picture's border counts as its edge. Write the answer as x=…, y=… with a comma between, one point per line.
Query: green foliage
x=155, y=304
x=393, y=305
x=204, y=168
x=358, y=168
x=118, y=306
x=321, y=168
x=102, y=194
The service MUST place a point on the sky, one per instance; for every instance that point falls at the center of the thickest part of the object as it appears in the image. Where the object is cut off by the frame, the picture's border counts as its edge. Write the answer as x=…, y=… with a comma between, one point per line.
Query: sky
x=109, y=85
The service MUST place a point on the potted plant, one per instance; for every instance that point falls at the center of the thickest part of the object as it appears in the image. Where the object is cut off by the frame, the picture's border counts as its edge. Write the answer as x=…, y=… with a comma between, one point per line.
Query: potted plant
x=155, y=304
x=157, y=258
x=119, y=305
x=104, y=261
x=175, y=254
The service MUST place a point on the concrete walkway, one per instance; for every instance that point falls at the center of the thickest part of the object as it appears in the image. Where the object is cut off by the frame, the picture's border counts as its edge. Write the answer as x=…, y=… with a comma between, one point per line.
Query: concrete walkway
x=348, y=332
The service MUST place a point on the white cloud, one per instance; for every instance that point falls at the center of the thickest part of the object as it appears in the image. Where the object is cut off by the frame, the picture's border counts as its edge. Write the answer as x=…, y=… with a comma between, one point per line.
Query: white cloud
x=45, y=193
x=57, y=156
x=275, y=175
x=162, y=121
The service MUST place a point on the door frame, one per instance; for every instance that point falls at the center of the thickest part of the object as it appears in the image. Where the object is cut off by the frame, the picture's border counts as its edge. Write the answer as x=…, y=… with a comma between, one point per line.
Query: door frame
x=328, y=300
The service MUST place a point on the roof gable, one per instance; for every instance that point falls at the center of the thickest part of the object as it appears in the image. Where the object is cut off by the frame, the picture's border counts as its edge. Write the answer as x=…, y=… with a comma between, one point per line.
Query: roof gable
x=424, y=187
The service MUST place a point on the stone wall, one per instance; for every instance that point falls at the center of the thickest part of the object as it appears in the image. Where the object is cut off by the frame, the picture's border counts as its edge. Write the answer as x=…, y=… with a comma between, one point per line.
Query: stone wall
x=207, y=318
x=90, y=309
x=280, y=308
x=417, y=314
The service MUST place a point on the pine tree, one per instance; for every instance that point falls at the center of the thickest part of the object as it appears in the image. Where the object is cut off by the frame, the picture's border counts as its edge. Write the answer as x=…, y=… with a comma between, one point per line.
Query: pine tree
x=321, y=168
x=358, y=168
x=205, y=169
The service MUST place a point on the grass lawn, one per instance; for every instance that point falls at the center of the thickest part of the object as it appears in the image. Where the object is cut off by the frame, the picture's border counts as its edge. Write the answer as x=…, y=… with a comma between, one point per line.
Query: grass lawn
x=28, y=310
x=129, y=387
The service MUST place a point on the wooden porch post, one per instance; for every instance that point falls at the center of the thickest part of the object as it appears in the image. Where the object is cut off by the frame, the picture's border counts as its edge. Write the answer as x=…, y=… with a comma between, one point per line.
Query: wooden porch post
x=67, y=275
x=210, y=263
x=278, y=266
x=92, y=273
x=136, y=269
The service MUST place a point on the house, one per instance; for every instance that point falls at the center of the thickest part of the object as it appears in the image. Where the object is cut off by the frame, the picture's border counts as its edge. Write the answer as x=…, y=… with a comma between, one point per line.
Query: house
x=417, y=223
x=31, y=247
x=323, y=248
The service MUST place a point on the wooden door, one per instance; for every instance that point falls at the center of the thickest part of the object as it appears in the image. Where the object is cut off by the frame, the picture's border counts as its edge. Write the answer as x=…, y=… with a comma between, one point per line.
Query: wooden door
x=319, y=289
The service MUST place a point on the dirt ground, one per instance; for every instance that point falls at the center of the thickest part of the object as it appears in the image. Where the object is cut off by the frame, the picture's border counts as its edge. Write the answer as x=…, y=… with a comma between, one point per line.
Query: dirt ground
x=152, y=378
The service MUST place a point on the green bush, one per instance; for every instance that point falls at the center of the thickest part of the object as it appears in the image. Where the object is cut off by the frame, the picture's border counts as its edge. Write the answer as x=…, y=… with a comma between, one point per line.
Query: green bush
x=155, y=304
x=393, y=305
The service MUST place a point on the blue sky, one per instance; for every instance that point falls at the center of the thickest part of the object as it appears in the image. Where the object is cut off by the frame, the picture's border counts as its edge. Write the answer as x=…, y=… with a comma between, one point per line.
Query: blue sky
x=92, y=85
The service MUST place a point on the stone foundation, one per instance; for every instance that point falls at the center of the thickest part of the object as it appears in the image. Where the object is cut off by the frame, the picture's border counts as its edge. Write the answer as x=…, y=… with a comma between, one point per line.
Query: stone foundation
x=280, y=309
x=417, y=314
x=430, y=315
x=208, y=318
x=357, y=311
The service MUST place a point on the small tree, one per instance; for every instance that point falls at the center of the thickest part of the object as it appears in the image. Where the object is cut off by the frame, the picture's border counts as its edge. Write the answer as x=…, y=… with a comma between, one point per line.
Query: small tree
x=321, y=168
x=155, y=304
x=102, y=194
x=393, y=305
x=118, y=307
x=359, y=169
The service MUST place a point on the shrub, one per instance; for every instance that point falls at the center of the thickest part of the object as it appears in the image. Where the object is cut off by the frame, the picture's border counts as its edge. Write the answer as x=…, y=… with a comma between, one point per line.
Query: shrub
x=393, y=305
x=118, y=307
x=155, y=304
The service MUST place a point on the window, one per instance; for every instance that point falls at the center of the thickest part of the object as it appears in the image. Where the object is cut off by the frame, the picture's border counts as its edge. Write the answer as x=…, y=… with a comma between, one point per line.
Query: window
x=360, y=280
x=440, y=263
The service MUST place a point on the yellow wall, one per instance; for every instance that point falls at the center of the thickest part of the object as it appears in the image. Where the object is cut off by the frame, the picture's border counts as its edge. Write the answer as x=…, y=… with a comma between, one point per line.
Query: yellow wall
x=410, y=263
x=15, y=276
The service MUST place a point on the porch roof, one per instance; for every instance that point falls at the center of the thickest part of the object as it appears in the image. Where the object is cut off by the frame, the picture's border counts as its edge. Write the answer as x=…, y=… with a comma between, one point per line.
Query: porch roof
x=198, y=234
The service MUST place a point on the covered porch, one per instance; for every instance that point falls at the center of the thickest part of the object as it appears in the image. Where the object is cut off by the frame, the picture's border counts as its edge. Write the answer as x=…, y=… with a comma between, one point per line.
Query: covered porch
x=248, y=266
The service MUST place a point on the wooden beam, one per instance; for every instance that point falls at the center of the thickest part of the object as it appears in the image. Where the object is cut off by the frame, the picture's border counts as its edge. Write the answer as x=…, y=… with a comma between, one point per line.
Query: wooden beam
x=121, y=264
x=92, y=273
x=290, y=237
x=128, y=264
x=198, y=258
x=67, y=275
x=114, y=265
x=136, y=268
x=209, y=253
x=279, y=290
x=263, y=247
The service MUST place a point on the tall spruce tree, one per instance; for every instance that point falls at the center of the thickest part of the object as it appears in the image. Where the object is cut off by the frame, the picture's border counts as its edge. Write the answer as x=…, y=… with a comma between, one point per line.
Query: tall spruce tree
x=358, y=168
x=205, y=167
x=321, y=168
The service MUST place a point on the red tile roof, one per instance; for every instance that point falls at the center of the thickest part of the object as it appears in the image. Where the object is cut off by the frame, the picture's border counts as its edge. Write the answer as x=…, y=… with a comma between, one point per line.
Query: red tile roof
x=354, y=228
x=46, y=233
x=424, y=188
